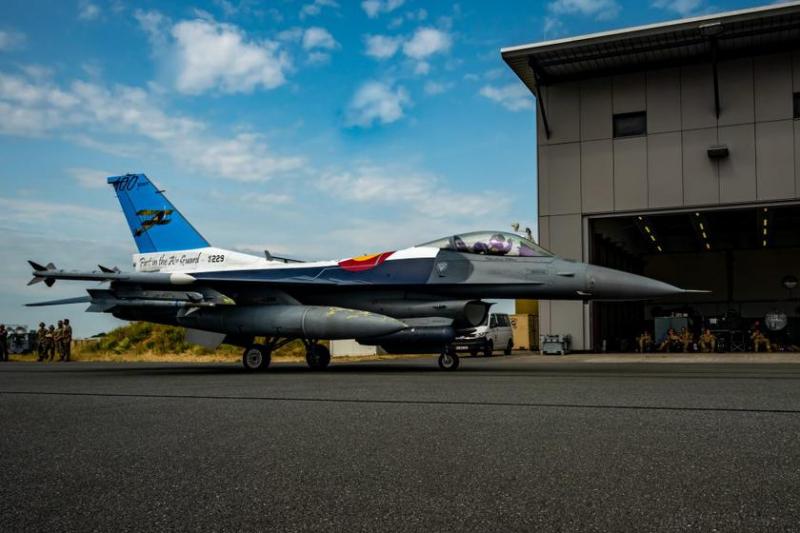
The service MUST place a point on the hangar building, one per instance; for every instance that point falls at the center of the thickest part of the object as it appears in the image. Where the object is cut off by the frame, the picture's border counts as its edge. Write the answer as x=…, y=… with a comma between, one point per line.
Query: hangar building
x=672, y=150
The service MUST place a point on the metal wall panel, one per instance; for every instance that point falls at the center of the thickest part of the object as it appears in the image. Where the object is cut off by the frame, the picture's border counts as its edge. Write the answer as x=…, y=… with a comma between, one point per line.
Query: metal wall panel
x=664, y=100
x=541, y=137
x=773, y=87
x=596, y=109
x=566, y=236
x=597, y=177
x=544, y=232
x=629, y=93
x=563, y=113
x=797, y=158
x=775, y=160
x=700, y=180
x=567, y=318
x=796, y=71
x=564, y=175
x=630, y=173
x=737, y=172
x=736, y=92
x=544, y=317
x=697, y=97
x=664, y=170
x=543, y=179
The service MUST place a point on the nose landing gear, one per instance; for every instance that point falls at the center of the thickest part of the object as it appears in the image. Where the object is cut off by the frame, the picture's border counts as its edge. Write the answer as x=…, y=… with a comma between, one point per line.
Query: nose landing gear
x=449, y=359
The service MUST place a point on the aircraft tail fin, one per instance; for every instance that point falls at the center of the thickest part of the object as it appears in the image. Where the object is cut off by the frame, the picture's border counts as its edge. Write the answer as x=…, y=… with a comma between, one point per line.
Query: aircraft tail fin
x=156, y=225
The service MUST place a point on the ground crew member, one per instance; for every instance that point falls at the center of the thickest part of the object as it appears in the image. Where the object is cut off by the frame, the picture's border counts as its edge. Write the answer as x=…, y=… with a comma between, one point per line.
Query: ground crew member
x=66, y=338
x=670, y=340
x=50, y=342
x=41, y=342
x=58, y=344
x=708, y=341
x=645, y=341
x=759, y=338
x=686, y=339
x=3, y=343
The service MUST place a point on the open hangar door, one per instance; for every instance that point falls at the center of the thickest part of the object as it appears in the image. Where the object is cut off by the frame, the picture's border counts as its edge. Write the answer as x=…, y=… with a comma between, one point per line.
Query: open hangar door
x=748, y=257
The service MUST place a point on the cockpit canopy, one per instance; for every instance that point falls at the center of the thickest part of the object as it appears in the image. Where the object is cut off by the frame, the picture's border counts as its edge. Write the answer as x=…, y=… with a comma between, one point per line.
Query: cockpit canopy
x=490, y=243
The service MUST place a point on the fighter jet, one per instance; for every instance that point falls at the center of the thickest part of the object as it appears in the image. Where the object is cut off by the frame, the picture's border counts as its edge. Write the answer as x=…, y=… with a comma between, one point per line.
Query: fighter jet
x=418, y=299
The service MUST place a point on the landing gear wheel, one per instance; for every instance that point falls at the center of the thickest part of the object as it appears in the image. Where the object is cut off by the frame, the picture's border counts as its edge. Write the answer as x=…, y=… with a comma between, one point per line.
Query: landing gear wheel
x=256, y=358
x=448, y=361
x=488, y=348
x=318, y=357
x=509, y=347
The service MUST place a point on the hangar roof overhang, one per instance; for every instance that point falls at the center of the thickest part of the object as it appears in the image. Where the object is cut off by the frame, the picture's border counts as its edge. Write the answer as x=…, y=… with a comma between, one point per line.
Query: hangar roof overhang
x=700, y=39
x=748, y=31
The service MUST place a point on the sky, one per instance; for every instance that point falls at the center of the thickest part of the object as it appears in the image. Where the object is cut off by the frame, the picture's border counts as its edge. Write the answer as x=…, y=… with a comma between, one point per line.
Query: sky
x=316, y=129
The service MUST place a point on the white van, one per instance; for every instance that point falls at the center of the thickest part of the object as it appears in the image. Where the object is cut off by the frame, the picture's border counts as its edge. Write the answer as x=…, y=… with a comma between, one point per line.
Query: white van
x=494, y=334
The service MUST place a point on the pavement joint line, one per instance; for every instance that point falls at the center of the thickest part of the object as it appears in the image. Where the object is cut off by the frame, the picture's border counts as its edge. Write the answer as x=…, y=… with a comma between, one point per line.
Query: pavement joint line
x=410, y=402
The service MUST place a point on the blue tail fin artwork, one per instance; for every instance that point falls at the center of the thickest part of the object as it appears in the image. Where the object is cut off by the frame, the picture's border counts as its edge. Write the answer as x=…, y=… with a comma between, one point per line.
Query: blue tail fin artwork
x=156, y=225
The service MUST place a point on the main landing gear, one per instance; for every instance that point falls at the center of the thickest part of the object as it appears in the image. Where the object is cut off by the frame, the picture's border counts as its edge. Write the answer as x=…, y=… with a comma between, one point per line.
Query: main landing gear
x=318, y=356
x=257, y=357
x=449, y=359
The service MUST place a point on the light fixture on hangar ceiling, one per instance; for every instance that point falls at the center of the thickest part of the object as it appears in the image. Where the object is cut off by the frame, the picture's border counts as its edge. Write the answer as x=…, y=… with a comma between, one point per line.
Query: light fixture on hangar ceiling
x=702, y=229
x=764, y=219
x=648, y=231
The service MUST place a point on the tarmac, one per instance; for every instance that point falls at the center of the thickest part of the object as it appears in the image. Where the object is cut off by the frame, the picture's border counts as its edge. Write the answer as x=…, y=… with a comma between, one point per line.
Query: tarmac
x=519, y=443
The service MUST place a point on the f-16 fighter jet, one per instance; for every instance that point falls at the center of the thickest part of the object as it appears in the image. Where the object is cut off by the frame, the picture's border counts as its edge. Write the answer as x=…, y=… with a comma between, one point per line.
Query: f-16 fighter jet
x=413, y=300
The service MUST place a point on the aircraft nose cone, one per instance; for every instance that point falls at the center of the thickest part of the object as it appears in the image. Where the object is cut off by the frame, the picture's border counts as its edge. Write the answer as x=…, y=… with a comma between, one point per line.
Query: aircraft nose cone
x=615, y=284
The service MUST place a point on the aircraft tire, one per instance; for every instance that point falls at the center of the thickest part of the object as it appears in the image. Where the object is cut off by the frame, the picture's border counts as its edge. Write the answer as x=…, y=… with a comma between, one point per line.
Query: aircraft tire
x=256, y=358
x=448, y=361
x=508, y=348
x=488, y=348
x=318, y=357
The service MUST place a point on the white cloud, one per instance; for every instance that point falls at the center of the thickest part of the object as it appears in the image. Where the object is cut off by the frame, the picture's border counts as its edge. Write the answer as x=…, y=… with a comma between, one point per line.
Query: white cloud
x=265, y=199
x=422, y=68
x=373, y=8
x=88, y=10
x=421, y=193
x=211, y=55
x=155, y=25
x=37, y=210
x=553, y=27
x=426, y=42
x=316, y=37
x=10, y=40
x=435, y=87
x=90, y=178
x=315, y=8
x=598, y=9
x=514, y=96
x=36, y=108
x=377, y=102
x=382, y=46
x=683, y=7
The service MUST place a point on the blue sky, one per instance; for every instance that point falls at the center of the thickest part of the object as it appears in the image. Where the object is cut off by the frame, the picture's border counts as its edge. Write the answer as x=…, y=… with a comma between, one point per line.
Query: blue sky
x=312, y=128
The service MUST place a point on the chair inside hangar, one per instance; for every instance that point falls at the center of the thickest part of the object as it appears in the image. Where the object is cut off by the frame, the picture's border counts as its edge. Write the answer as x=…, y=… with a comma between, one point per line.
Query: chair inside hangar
x=748, y=258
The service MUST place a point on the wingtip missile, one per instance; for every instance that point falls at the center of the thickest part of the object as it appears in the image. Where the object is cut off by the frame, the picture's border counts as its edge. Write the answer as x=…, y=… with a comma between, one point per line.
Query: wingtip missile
x=37, y=278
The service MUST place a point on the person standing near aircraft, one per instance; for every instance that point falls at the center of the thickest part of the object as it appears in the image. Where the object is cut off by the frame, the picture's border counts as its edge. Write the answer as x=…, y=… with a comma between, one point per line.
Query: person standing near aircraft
x=66, y=340
x=41, y=342
x=50, y=343
x=58, y=338
x=3, y=343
